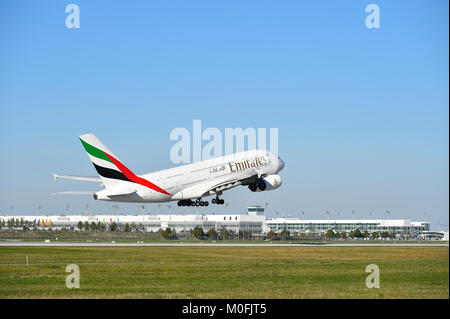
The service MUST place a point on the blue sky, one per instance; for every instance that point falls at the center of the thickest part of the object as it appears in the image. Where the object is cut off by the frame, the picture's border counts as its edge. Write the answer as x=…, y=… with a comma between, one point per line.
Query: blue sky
x=362, y=113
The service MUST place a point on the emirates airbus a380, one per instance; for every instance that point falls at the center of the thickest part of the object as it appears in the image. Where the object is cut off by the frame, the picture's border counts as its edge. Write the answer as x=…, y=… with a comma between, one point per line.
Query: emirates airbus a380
x=187, y=184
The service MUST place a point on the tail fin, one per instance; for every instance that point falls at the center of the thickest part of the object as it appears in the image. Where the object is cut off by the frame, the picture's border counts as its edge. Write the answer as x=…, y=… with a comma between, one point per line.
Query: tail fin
x=112, y=172
x=105, y=162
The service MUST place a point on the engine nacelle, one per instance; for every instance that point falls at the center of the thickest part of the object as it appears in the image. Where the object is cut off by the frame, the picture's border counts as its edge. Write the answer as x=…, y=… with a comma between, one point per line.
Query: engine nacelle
x=268, y=183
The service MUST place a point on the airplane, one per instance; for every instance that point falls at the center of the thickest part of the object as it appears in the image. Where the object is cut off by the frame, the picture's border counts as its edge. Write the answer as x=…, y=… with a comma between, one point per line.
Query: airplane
x=187, y=184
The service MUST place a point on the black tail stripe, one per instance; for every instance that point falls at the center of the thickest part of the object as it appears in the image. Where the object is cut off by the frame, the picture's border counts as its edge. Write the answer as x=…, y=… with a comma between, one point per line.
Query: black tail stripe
x=110, y=173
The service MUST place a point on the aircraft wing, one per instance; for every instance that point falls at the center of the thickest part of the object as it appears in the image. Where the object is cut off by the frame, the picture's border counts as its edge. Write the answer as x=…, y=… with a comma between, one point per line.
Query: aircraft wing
x=77, y=178
x=209, y=188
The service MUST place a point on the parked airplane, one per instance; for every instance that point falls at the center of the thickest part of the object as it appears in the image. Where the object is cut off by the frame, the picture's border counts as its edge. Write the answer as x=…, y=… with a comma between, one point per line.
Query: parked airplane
x=187, y=184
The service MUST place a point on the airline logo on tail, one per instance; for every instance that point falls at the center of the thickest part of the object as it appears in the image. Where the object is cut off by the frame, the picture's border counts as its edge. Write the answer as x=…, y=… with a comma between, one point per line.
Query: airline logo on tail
x=108, y=166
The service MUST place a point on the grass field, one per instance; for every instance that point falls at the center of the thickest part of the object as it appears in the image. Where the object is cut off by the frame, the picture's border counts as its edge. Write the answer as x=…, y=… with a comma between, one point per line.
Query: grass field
x=224, y=272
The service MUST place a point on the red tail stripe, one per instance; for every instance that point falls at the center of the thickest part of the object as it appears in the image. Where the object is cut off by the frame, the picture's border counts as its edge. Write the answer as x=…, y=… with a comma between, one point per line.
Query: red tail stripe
x=132, y=177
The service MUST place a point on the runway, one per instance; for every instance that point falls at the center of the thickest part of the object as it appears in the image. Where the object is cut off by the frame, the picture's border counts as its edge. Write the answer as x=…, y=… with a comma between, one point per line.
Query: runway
x=181, y=244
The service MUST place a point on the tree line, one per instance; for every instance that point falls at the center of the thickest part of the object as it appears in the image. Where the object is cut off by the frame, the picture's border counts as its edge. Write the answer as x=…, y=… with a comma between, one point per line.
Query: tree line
x=112, y=227
x=12, y=223
x=330, y=234
x=212, y=234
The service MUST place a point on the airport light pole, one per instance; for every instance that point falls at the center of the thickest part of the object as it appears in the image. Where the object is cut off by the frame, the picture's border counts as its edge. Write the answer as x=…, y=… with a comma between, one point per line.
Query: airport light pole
x=303, y=217
x=67, y=209
x=328, y=214
x=116, y=207
x=11, y=210
x=389, y=217
x=265, y=209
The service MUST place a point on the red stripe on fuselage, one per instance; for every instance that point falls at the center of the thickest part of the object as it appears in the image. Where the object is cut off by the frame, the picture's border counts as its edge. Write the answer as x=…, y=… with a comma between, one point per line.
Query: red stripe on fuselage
x=132, y=177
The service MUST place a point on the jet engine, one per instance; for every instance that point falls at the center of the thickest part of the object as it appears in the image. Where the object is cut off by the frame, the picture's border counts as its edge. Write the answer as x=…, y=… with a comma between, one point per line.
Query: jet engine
x=268, y=183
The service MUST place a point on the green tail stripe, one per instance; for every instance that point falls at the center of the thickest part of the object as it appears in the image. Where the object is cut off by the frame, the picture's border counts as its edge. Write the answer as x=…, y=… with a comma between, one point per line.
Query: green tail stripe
x=95, y=151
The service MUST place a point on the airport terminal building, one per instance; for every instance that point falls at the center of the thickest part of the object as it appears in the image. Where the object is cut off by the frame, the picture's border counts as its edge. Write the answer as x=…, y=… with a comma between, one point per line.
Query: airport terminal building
x=153, y=223
x=397, y=226
x=254, y=222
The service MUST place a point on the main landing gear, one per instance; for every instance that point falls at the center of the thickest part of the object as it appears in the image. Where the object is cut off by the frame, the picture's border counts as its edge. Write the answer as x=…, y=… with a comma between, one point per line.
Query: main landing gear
x=218, y=201
x=199, y=202
x=189, y=202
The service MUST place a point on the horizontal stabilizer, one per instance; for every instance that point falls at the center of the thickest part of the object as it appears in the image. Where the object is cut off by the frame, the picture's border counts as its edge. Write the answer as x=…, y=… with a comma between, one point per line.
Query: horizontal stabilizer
x=77, y=178
x=122, y=194
x=75, y=193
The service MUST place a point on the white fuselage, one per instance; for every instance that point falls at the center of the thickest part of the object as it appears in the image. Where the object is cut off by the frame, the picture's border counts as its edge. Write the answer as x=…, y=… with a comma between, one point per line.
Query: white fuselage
x=195, y=180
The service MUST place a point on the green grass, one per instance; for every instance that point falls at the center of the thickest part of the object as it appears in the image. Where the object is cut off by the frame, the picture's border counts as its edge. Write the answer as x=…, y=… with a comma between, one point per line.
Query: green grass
x=224, y=272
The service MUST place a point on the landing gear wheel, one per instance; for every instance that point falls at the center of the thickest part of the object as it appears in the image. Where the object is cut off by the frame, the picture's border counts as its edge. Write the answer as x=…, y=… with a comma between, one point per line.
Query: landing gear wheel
x=218, y=201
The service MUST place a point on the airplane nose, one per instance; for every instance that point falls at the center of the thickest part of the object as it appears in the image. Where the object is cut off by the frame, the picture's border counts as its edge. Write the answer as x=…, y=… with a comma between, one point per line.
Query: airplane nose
x=280, y=164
